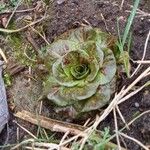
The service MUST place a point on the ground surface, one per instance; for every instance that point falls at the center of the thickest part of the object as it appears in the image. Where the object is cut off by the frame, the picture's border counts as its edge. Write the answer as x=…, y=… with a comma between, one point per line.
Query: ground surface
x=102, y=14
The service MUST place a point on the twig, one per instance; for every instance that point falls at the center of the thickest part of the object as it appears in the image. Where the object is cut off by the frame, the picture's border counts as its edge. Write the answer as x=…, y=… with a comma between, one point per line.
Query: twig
x=32, y=42
x=13, y=69
x=18, y=11
x=41, y=106
x=104, y=20
x=58, y=126
x=52, y=124
x=23, y=28
x=133, y=120
x=123, y=141
x=144, y=53
x=3, y=55
x=34, y=30
x=140, y=13
x=87, y=121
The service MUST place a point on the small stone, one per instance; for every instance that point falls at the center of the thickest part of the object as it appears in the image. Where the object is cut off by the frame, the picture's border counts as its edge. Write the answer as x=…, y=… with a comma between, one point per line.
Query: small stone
x=137, y=105
x=4, y=21
x=60, y=1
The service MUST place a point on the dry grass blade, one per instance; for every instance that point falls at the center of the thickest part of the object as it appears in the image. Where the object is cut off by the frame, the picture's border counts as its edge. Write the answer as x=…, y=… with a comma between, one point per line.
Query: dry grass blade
x=135, y=140
x=22, y=143
x=45, y=146
x=121, y=116
x=139, y=116
x=122, y=2
x=31, y=148
x=116, y=129
x=48, y=145
x=139, y=12
x=117, y=100
x=12, y=14
x=37, y=32
x=108, y=109
x=133, y=93
x=27, y=131
x=144, y=53
x=143, y=62
x=130, y=123
x=63, y=138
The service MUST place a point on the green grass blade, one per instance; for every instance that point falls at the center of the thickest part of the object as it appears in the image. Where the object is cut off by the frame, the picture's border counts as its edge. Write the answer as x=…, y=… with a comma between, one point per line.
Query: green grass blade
x=129, y=22
x=129, y=43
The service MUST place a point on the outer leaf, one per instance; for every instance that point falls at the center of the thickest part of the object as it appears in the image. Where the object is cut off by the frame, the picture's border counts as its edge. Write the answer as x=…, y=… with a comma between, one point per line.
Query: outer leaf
x=51, y=90
x=108, y=71
x=58, y=99
x=81, y=92
x=80, y=35
x=98, y=100
x=94, y=68
x=60, y=48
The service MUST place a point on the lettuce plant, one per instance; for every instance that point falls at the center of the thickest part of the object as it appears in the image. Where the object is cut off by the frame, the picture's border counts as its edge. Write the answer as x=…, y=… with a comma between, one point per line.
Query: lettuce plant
x=82, y=69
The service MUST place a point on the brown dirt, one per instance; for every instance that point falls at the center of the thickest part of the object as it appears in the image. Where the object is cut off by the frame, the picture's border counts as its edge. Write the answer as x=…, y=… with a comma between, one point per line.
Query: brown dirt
x=70, y=14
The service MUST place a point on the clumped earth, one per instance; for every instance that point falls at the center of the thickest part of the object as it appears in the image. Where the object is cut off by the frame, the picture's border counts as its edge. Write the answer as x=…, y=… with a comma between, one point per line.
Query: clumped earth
x=70, y=14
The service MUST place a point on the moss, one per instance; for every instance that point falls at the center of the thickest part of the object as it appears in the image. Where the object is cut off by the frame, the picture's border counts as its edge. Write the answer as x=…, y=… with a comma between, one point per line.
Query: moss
x=23, y=52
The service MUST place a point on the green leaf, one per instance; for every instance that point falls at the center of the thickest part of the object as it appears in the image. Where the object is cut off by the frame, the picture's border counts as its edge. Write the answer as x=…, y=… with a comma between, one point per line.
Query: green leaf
x=80, y=92
x=98, y=100
x=61, y=77
x=94, y=68
x=108, y=70
x=73, y=59
x=129, y=22
x=52, y=91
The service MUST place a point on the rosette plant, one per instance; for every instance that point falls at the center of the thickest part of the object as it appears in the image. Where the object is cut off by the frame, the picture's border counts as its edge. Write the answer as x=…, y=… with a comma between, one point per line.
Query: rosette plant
x=82, y=69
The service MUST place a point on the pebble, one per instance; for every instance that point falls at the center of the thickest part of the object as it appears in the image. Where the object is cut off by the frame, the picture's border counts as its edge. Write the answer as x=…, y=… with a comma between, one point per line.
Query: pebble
x=137, y=105
x=60, y=1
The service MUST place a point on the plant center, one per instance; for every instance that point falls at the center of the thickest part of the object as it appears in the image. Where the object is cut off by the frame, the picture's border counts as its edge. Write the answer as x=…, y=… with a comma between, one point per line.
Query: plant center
x=80, y=71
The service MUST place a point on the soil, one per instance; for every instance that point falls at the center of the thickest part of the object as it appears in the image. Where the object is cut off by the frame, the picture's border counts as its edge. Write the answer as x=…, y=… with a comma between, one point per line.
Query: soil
x=68, y=14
